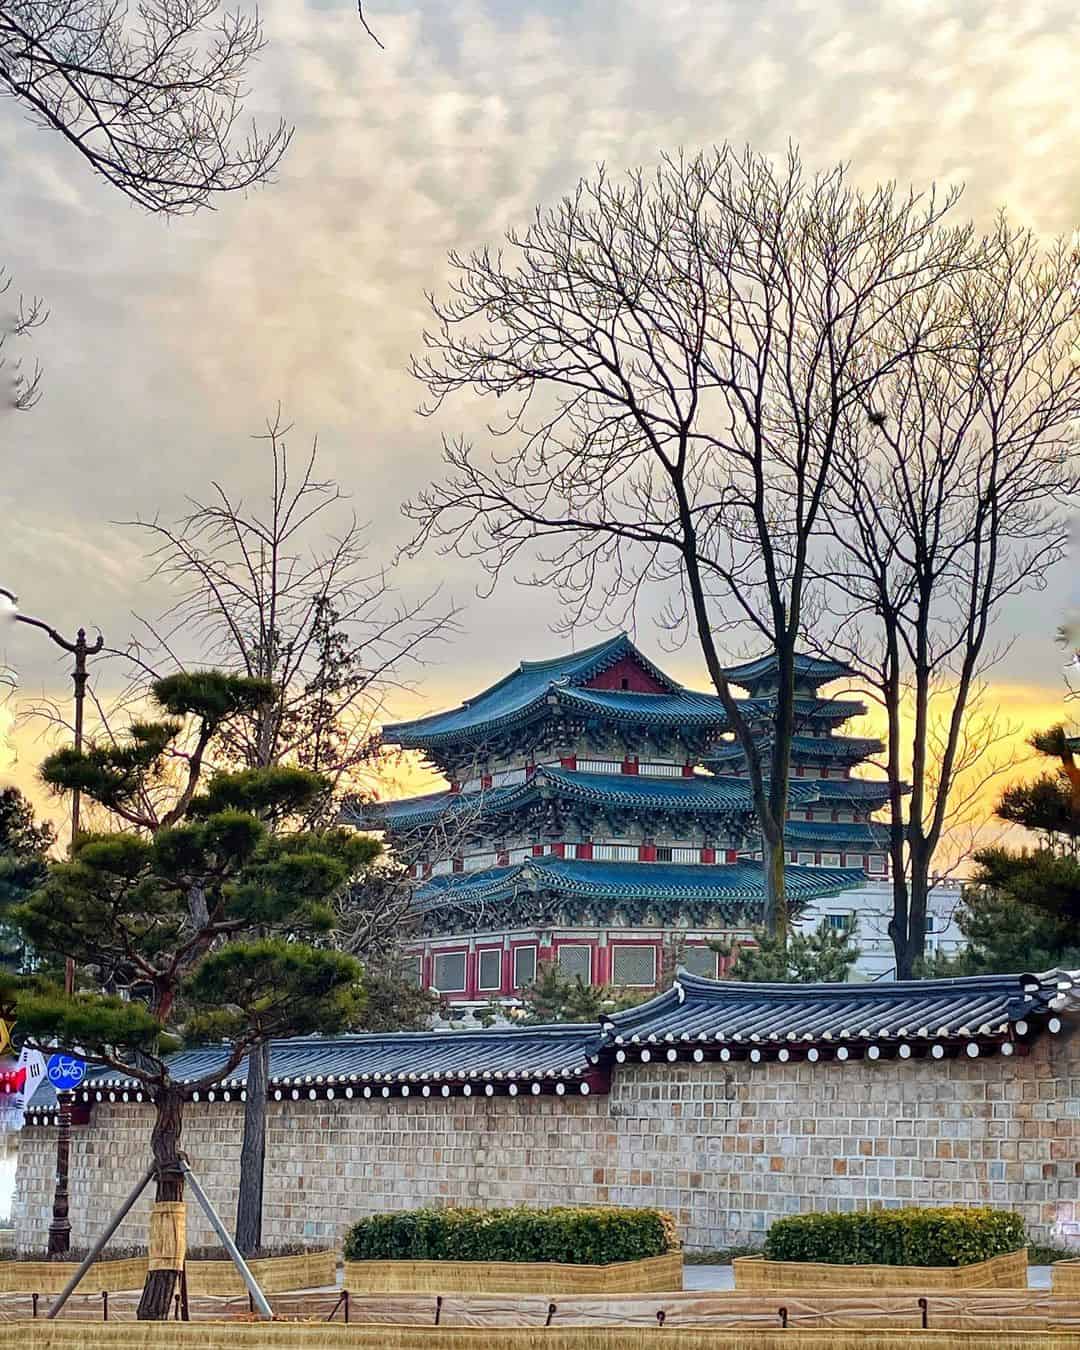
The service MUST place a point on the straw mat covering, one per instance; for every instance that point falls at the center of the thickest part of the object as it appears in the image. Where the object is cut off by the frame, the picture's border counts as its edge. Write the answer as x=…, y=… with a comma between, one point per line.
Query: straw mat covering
x=1008, y=1271
x=168, y=1235
x=656, y=1273
x=273, y=1274
x=42, y=1335
x=49, y=1277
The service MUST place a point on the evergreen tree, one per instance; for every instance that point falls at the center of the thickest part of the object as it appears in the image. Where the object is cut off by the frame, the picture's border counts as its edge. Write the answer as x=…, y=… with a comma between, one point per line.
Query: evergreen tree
x=555, y=997
x=24, y=848
x=200, y=929
x=1021, y=910
x=824, y=956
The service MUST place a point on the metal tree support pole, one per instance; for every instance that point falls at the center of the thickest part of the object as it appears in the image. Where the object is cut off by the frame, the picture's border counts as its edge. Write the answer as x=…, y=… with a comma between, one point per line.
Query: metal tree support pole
x=230, y=1246
x=95, y=1251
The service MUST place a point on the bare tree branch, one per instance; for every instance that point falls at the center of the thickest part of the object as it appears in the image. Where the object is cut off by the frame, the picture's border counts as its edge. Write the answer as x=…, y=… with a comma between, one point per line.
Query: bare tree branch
x=153, y=102
x=20, y=389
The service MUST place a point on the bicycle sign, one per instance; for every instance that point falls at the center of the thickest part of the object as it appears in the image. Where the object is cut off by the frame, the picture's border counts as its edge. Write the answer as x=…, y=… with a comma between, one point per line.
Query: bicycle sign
x=65, y=1072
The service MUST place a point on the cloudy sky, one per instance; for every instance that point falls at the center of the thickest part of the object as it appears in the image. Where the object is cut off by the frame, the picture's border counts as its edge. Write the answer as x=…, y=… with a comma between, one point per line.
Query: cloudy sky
x=169, y=343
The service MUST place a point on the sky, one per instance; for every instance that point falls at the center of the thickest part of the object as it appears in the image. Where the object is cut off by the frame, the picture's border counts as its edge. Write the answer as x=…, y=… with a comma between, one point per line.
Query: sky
x=170, y=343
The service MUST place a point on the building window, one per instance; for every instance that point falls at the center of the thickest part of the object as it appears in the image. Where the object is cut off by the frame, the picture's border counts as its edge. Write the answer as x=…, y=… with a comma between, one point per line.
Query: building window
x=664, y=853
x=624, y=683
x=575, y=962
x=700, y=961
x=412, y=969
x=449, y=972
x=875, y=865
x=830, y=860
x=524, y=966
x=930, y=923
x=805, y=858
x=840, y=923
x=489, y=969
x=633, y=967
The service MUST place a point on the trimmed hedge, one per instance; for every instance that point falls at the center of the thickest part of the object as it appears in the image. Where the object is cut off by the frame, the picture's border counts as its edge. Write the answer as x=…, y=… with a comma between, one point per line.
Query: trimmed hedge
x=570, y=1236
x=954, y=1236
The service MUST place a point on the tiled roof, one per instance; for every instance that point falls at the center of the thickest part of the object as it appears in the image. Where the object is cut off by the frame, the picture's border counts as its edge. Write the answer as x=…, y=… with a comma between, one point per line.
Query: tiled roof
x=695, y=1020
x=764, y=1021
x=516, y=693
x=363, y=1065
x=850, y=791
x=527, y=691
x=848, y=749
x=701, y=795
x=809, y=669
x=722, y=882
x=868, y=834
x=684, y=707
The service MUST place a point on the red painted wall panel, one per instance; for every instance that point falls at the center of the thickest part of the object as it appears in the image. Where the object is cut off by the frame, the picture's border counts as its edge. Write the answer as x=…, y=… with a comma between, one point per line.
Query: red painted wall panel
x=638, y=680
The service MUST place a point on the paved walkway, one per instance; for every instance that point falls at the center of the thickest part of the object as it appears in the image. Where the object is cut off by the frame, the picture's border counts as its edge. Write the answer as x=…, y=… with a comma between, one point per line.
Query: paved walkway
x=723, y=1277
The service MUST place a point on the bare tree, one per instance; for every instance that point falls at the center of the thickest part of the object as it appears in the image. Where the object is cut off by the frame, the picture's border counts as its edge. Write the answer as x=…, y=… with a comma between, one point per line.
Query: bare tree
x=153, y=104
x=20, y=388
x=283, y=592
x=677, y=354
x=950, y=494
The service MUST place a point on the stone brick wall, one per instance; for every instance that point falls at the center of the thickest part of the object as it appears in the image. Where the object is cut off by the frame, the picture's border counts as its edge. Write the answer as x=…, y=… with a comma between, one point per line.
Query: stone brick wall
x=727, y=1148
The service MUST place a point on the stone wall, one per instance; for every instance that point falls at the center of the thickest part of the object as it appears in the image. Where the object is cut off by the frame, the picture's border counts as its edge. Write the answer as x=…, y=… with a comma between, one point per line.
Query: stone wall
x=727, y=1148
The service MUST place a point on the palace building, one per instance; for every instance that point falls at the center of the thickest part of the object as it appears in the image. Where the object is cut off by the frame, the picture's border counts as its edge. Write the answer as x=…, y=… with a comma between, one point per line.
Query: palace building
x=598, y=816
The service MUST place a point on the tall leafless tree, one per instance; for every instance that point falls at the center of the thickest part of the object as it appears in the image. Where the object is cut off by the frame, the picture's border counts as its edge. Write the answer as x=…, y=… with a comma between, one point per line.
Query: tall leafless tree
x=677, y=354
x=950, y=494
x=282, y=591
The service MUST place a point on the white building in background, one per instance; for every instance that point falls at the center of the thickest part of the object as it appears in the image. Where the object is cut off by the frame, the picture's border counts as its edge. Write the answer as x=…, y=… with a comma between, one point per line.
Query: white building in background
x=868, y=908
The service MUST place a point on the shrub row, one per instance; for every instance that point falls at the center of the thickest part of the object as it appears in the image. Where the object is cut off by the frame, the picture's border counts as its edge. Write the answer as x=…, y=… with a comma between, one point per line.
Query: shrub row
x=571, y=1236
x=954, y=1236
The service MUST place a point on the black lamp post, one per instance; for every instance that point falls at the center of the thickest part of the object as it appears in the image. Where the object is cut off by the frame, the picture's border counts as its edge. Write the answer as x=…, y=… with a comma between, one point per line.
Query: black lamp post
x=60, y=1227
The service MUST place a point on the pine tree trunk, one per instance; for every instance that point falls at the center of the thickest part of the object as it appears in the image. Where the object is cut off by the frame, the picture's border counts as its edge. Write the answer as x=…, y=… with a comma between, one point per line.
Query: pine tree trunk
x=157, y=1294
x=249, y=1205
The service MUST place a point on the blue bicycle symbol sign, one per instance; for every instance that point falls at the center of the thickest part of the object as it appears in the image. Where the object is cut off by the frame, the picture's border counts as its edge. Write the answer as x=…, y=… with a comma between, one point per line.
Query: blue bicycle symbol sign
x=65, y=1072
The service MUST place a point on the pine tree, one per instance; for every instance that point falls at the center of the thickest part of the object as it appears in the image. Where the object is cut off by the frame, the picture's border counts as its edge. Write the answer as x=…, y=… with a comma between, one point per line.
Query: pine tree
x=24, y=848
x=824, y=956
x=1021, y=909
x=198, y=930
x=555, y=997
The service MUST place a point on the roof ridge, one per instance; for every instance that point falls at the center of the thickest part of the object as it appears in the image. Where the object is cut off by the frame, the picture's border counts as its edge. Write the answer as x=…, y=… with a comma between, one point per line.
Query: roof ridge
x=699, y=984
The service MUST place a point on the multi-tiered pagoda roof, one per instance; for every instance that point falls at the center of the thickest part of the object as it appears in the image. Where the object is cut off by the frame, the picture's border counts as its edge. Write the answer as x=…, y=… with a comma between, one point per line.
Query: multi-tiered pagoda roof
x=595, y=795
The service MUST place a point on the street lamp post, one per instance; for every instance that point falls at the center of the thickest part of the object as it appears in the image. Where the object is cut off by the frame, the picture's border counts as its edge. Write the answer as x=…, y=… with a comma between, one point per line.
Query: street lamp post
x=60, y=1227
